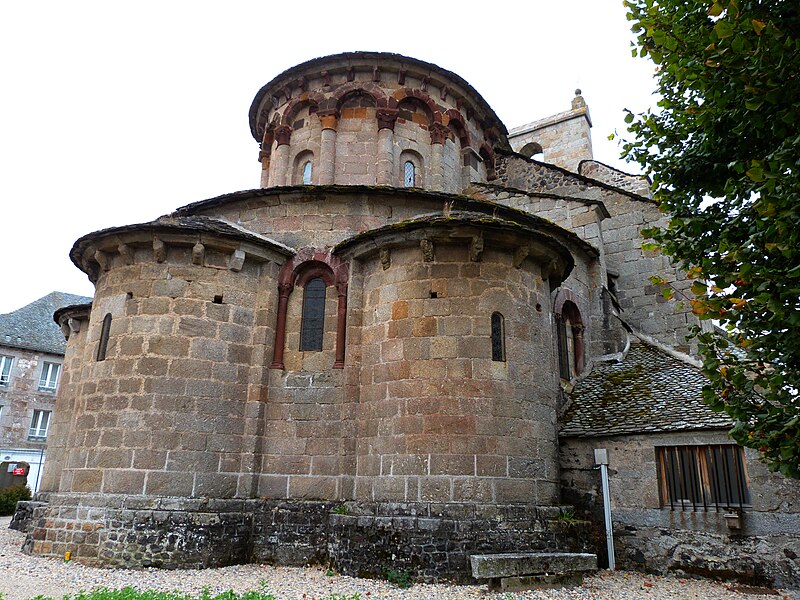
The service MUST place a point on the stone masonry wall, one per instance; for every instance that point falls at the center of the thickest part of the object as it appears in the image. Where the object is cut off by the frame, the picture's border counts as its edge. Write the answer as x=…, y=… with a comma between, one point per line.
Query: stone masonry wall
x=439, y=420
x=169, y=409
x=648, y=537
x=429, y=541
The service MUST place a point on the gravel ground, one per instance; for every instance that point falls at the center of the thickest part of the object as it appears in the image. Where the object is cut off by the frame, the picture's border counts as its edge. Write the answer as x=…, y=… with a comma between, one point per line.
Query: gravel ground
x=23, y=577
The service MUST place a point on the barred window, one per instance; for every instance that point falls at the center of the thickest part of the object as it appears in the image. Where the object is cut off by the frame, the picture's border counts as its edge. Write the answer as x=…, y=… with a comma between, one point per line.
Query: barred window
x=703, y=478
x=313, y=320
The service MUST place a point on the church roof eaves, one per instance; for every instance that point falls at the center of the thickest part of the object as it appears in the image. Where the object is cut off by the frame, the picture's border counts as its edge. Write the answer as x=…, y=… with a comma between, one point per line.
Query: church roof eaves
x=456, y=200
x=182, y=224
x=649, y=391
x=292, y=73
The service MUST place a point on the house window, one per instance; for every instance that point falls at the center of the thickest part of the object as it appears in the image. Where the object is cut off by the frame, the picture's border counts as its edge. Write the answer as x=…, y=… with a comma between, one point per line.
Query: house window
x=498, y=337
x=702, y=478
x=5, y=369
x=48, y=381
x=307, y=173
x=409, y=174
x=39, y=425
x=313, y=321
x=104, y=332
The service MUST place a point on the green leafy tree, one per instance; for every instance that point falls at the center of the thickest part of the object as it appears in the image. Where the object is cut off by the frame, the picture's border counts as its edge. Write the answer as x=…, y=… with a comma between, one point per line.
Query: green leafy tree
x=723, y=149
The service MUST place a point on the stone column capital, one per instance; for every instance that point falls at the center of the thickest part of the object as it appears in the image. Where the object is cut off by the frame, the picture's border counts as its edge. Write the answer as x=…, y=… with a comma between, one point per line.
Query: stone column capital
x=439, y=133
x=283, y=134
x=329, y=119
x=386, y=118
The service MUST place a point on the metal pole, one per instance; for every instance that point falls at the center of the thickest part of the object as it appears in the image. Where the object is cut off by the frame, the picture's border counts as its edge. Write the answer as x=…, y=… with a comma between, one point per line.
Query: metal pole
x=39, y=471
x=601, y=459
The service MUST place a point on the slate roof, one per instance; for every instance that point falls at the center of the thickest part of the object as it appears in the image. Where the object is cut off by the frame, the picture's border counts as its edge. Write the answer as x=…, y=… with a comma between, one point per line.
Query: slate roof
x=648, y=392
x=32, y=327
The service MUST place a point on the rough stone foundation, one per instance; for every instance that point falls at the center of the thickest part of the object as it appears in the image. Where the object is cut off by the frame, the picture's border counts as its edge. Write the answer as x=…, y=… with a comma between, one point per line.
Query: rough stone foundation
x=430, y=541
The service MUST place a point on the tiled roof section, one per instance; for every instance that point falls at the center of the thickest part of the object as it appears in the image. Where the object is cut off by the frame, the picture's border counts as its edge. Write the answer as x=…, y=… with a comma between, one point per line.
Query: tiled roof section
x=648, y=392
x=32, y=327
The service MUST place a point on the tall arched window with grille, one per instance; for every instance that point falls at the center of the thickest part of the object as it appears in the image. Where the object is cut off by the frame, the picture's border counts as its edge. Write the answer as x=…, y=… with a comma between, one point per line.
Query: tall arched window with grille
x=312, y=324
x=307, y=173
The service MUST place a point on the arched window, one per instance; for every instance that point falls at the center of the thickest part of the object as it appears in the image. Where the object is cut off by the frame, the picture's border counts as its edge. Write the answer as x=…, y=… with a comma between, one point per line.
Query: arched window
x=570, y=341
x=498, y=337
x=105, y=329
x=409, y=174
x=312, y=325
x=307, y=173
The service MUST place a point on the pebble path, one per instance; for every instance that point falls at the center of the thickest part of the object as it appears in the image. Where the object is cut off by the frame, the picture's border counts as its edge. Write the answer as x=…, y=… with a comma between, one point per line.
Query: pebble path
x=23, y=577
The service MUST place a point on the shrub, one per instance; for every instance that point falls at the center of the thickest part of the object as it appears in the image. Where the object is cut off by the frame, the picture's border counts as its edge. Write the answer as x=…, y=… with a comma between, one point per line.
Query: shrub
x=10, y=496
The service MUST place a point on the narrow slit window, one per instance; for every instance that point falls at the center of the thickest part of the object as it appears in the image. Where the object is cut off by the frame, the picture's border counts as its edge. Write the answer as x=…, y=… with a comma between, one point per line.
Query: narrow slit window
x=104, y=332
x=313, y=321
x=307, y=173
x=409, y=174
x=498, y=337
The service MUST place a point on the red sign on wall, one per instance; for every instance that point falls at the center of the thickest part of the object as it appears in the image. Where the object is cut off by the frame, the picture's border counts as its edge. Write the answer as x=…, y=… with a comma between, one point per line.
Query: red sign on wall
x=18, y=471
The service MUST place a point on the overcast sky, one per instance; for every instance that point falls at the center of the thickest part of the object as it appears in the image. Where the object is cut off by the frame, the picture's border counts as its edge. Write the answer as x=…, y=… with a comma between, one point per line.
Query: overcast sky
x=114, y=113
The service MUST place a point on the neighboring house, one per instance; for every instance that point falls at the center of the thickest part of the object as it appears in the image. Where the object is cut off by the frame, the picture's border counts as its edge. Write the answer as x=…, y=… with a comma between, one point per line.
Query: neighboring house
x=31, y=358
x=400, y=350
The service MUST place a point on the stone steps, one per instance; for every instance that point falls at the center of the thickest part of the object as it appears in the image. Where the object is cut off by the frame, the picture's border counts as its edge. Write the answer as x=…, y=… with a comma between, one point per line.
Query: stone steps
x=530, y=570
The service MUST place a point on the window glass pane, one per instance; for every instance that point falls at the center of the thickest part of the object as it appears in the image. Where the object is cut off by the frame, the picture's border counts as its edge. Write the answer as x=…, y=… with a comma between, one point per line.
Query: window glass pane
x=307, y=173
x=409, y=174
x=313, y=321
x=5, y=369
x=40, y=423
x=498, y=337
x=49, y=377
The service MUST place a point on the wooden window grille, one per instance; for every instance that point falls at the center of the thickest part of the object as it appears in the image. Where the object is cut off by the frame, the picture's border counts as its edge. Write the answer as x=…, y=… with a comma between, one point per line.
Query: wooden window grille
x=703, y=478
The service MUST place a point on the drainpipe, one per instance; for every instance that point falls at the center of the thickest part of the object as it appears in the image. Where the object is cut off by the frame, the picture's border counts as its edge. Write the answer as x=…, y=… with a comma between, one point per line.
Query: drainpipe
x=601, y=460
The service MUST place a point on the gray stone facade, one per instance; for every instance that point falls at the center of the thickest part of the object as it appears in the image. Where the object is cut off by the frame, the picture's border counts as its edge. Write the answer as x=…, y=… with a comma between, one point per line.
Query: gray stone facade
x=453, y=290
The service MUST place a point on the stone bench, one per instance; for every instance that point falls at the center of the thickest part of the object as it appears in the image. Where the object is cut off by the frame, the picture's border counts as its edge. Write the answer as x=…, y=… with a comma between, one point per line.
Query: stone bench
x=529, y=570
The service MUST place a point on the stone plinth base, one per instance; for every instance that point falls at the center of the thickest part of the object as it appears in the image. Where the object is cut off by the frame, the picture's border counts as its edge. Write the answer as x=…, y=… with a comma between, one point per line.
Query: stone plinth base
x=427, y=540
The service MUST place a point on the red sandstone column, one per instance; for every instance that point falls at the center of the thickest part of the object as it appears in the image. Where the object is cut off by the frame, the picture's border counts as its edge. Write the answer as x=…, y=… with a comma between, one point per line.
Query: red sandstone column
x=327, y=149
x=439, y=134
x=386, y=120
x=284, y=289
x=341, y=325
x=282, y=135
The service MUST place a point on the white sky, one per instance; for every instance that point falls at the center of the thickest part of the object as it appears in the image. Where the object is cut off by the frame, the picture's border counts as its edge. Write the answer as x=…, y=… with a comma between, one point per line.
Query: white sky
x=118, y=112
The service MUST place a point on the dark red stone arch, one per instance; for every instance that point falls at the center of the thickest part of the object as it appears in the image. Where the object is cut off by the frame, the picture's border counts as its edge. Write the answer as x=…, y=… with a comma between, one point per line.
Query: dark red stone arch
x=307, y=264
x=435, y=113
x=297, y=104
x=457, y=123
x=487, y=154
x=344, y=91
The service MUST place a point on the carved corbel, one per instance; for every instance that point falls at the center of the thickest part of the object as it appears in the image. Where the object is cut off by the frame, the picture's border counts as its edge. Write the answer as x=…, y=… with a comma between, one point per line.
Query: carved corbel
x=401, y=77
x=443, y=94
x=351, y=74
x=159, y=250
x=126, y=253
x=427, y=250
x=198, y=254
x=476, y=248
x=102, y=259
x=376, y=74
x=386, y=258
x=236, y=261
x=520, y=254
